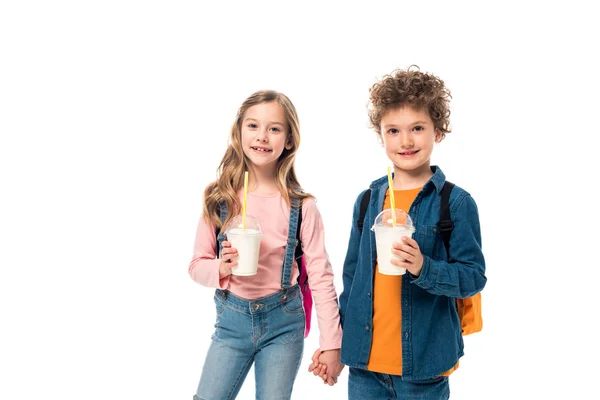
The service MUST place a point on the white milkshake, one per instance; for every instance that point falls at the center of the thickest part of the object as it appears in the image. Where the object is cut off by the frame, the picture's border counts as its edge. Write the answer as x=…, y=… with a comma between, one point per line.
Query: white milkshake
x=386, y=234
x=246, y=242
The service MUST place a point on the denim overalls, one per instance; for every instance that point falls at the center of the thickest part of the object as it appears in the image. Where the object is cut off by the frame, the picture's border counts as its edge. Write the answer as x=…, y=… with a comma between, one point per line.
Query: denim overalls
x=268, y=332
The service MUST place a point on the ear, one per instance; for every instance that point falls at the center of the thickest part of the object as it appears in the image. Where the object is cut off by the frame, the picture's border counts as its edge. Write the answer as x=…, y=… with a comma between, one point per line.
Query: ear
x=438, y=136
x=288, y=146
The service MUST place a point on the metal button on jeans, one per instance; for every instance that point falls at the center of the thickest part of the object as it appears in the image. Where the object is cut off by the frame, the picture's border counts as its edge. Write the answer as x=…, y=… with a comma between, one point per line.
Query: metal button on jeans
x=256, y=306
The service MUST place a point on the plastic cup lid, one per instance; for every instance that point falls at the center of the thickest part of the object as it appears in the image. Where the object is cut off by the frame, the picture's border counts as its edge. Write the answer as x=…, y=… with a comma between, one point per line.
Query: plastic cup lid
x=236, y=223
x=403, y=220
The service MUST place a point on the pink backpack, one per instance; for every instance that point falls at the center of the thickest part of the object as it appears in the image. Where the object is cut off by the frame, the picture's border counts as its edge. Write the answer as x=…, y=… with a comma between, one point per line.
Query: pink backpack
x=303, y=276
x=305, y=289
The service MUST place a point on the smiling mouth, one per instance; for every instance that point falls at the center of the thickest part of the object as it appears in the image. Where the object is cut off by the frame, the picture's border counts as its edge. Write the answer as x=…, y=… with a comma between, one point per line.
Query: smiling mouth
x=409, y=153
x=261, y=149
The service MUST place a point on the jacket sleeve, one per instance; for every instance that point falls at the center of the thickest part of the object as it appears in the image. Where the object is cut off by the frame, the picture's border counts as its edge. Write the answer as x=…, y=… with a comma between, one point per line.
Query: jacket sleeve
x=204, y=267
x=463, y=275
x=351, y=259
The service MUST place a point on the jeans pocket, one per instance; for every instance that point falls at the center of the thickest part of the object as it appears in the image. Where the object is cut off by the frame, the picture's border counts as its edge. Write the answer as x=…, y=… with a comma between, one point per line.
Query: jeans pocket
x=219, y=305
x=293, y=305
x=431, y=381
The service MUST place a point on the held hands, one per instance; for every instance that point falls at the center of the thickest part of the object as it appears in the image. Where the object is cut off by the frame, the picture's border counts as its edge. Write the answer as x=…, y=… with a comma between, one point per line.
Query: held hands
x=228, y=253
x=409, y=250
x=326, y=364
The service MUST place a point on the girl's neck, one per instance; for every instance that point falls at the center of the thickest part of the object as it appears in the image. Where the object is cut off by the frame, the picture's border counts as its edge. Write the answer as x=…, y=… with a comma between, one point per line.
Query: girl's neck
x=262, y=183
x=405, y=180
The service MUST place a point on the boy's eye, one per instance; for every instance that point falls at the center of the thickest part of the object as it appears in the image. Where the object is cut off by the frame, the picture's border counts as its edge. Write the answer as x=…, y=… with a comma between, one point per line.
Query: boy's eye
x=393, y=131
x=418, y=128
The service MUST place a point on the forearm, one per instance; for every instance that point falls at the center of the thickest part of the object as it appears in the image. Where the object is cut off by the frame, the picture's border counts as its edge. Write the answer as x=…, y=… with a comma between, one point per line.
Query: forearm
x=459, y=280
x=206, y=273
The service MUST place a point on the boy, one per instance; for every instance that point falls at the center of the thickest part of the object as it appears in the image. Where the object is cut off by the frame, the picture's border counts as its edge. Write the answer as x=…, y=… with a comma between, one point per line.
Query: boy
x=402, y=334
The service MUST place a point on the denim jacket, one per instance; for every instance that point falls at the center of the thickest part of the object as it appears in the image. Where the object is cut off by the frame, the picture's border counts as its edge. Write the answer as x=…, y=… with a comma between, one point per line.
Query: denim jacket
x=431, y=338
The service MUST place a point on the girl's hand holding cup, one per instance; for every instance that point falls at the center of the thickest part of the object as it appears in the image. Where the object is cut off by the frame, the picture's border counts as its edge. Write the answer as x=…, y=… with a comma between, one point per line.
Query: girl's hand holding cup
x=228, y=254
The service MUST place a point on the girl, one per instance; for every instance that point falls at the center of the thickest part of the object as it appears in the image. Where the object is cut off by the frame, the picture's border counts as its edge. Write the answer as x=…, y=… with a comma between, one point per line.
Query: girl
x=260, y=318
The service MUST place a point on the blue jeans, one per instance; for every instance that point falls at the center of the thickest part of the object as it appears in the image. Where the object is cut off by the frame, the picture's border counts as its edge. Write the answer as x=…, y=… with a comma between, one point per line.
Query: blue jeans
x=268, y=332
x=363, y=384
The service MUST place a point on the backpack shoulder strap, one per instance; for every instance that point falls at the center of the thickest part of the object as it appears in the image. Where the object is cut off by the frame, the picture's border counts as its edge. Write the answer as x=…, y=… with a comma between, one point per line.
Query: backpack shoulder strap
x=222, y=213
x=446, y=225
x=299, y=251
x=364, y=203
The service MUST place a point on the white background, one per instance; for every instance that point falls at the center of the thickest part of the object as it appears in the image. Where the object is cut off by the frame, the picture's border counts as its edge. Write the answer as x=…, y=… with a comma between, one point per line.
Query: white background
x=114, y=116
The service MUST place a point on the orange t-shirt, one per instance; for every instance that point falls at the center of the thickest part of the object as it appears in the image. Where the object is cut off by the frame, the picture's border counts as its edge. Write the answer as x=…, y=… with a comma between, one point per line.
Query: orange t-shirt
x=386, y=346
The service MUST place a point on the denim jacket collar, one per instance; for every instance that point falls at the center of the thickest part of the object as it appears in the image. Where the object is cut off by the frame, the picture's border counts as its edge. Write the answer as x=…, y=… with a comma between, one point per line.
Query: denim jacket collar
x=437, y=180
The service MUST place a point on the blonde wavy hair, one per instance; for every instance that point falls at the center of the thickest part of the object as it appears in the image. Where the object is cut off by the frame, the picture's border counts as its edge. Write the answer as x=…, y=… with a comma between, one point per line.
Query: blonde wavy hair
x=230, y=173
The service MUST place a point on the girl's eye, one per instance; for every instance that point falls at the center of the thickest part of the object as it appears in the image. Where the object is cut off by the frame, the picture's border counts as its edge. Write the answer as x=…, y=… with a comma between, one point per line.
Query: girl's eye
x=253, y=126
x=275, y=129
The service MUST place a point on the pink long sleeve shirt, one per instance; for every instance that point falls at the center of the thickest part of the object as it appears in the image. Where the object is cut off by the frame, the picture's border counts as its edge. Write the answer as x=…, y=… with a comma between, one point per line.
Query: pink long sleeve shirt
x=273, y=213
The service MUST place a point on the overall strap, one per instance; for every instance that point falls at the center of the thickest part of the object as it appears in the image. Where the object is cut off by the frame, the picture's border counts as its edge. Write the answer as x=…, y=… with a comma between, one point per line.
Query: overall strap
x=446, y=225
x=222, y=212
x=292, y=242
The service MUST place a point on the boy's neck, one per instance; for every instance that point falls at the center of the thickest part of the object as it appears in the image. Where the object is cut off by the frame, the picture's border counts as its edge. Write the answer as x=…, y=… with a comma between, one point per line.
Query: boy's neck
x=405, y=180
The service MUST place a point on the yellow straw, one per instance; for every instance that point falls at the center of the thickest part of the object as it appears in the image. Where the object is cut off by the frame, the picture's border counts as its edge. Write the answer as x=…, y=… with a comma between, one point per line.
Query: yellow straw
x=244, y=203
x=392, y=200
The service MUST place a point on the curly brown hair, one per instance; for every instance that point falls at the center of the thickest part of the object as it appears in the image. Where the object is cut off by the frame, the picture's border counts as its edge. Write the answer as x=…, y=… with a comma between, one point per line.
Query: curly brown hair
x=412, y=88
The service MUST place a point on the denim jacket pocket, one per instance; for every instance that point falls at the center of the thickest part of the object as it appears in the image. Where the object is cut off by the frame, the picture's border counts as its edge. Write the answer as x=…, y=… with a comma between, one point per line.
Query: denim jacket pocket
x=425, y=236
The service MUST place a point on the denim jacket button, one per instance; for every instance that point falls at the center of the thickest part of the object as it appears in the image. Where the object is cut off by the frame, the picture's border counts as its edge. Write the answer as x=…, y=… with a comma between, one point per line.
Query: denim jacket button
x=369, y=294
x=367, y=328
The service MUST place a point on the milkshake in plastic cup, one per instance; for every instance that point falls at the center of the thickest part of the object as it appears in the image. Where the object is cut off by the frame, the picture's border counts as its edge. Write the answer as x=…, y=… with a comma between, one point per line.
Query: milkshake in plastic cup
x=246, y=242
x=386, y=234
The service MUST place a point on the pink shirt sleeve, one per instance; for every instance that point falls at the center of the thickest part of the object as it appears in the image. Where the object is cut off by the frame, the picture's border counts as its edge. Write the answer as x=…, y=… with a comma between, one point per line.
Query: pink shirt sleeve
x=320, y=277
x=204, y=267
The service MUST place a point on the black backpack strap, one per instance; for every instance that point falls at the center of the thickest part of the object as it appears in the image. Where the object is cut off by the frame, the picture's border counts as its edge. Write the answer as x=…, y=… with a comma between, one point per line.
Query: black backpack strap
x=364, y=203
x=222, y=214
x=299, y=252
x=302, y=279
x=446, y=225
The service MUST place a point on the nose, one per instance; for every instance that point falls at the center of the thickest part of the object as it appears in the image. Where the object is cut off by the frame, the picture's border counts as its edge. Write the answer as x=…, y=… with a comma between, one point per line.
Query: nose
x=406, y=140
x=262, y=136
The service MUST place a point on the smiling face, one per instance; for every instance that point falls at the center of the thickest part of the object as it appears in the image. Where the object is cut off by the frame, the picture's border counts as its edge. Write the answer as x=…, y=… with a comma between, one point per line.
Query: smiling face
x=264, y=135
x=408, y=136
